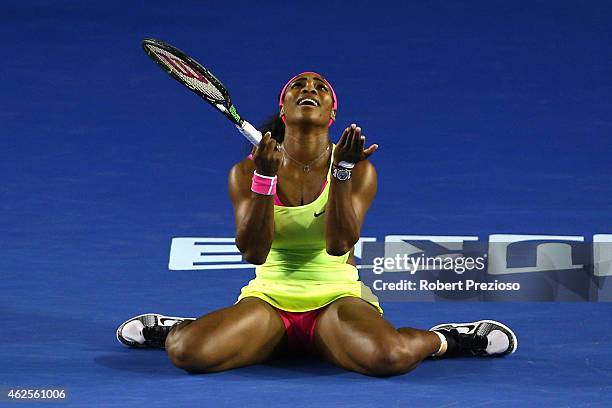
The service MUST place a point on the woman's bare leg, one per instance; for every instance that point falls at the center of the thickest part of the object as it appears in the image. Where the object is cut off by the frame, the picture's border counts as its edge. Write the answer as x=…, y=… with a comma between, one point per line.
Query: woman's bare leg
x=248, y=332
x=351, y=334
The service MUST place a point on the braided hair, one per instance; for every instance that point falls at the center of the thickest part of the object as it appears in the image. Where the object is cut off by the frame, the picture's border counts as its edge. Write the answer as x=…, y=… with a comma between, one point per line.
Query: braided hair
x=274, y=125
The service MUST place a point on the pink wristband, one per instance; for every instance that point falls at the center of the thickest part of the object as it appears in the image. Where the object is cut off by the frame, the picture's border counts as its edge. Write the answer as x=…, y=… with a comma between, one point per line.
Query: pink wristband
x=265, y=185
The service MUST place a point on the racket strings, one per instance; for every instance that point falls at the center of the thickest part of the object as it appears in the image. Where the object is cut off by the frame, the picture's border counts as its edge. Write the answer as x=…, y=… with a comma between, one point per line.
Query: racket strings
x=187, y=73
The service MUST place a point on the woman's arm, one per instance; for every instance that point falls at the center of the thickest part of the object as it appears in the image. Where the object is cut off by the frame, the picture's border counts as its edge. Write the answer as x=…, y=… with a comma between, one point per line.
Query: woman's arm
x=254, y=213
x=349, y=200
x=347, y=206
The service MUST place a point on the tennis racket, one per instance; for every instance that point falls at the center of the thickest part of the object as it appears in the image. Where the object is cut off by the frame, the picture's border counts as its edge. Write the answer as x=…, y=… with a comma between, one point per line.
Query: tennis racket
x=200, y=80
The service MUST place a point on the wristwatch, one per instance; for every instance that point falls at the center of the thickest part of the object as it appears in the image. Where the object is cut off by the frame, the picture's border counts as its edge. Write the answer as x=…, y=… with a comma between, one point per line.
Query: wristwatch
x=341, y=174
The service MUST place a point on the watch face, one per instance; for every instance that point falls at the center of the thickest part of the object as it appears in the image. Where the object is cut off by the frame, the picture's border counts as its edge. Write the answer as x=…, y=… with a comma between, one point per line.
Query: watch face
x=342, y=174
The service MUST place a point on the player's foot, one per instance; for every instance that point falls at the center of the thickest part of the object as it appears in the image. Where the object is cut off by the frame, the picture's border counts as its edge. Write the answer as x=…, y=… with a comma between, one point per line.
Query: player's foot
x=482, y=338
x=147, y=330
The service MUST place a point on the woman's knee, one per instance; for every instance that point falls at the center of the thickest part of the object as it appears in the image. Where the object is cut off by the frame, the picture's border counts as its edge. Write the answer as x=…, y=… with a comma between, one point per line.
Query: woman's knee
x=187, y=354
x=390, y=357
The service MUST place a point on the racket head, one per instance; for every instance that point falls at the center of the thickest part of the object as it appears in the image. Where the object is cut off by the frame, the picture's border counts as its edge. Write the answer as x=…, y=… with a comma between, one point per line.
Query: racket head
x=191, y=74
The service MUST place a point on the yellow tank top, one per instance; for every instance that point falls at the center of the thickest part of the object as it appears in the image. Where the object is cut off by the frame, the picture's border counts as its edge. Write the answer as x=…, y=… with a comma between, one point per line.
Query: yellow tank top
x=299, y=275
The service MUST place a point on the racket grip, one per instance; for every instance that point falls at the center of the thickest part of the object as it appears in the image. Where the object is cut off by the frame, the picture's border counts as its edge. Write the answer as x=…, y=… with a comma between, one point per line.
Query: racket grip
x=253, y=135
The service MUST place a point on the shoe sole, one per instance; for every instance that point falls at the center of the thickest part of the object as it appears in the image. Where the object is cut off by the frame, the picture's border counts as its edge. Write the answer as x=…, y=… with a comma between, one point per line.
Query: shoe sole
x=514, y=339
x=147, y=319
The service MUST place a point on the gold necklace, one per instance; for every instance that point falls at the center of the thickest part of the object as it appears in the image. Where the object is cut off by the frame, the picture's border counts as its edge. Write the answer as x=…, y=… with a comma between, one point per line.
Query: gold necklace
x=305, y=166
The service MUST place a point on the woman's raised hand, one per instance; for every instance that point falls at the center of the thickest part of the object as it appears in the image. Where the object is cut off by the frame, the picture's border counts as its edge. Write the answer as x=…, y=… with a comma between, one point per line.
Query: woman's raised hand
x=350, y=146
x=267, y=156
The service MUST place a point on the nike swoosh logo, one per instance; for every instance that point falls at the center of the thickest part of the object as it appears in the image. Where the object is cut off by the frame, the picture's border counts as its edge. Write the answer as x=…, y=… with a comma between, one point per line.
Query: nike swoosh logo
x=167, y=322
x=170, y=321
x=468, y=328
x=319, y=214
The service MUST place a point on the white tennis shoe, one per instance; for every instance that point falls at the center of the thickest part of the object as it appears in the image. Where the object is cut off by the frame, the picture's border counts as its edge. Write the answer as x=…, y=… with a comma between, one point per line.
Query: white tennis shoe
x=487, y=338
x=147, y=330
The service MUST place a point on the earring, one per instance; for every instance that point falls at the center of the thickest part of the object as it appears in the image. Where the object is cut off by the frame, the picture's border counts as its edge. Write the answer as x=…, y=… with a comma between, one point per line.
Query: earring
x=333, y=114
x=282, y=111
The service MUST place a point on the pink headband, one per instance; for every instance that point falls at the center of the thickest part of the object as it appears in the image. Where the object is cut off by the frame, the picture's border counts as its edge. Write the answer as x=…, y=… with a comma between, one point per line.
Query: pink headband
x=282, y=94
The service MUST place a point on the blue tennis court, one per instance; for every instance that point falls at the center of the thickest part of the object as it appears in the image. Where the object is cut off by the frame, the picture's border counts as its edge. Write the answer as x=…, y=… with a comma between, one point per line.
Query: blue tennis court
x=492, y=118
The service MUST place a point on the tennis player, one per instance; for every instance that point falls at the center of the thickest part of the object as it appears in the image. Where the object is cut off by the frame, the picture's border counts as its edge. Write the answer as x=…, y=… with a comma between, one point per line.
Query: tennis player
x=299, y=203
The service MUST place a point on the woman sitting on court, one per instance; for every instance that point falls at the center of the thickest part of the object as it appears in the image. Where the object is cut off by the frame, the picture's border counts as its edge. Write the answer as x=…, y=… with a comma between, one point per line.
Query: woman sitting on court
x=299, y=204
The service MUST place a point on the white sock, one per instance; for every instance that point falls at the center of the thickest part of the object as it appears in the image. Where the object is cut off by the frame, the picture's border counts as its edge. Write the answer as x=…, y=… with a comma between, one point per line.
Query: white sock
x=443, y=345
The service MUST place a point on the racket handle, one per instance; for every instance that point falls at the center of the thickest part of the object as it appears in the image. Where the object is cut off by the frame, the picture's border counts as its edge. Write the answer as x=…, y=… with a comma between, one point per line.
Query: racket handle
x=253, y=135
